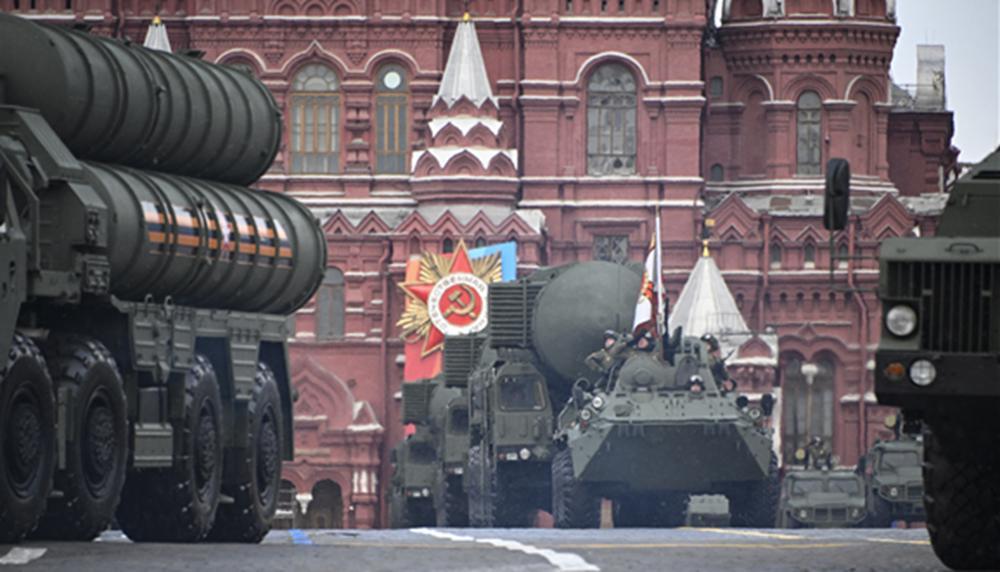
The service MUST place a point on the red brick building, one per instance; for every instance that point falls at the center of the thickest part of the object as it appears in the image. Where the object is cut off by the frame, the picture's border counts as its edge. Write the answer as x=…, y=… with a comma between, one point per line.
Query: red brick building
x=598, y=112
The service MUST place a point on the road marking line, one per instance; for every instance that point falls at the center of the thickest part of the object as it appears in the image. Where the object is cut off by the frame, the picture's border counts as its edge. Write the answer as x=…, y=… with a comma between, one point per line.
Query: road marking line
x=739, y=545
x=563, y=561
x=20, y=555
x=753, y=533
x=895, y=541
x=299, y=537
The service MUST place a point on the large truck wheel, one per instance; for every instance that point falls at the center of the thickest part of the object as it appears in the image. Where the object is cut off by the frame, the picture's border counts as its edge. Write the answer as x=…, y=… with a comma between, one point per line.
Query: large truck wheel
x=27, y=439
x=476, y=500
x=453, y=504
x=87, y=377
x=962, y=495
x=255, y=496
x=756, y=505
x=179, y=504
x=573, y=505
x=879, y=513
x=507, y=506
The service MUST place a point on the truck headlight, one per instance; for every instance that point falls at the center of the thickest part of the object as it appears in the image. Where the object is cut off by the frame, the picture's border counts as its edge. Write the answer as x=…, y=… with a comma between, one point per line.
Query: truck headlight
x=894, y=492
x=855, y=512
x=901, y=320
x=598, y=402
x=803, y=514
x=923, y=372
x=586, y=415
x=525, y=454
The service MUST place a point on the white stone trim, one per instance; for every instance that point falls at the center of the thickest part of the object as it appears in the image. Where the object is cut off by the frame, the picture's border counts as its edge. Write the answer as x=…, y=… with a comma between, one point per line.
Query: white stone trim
x=608, y=203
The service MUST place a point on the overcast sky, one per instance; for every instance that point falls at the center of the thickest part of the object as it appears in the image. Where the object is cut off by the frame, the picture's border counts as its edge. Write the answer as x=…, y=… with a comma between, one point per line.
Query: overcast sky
x=968, y=29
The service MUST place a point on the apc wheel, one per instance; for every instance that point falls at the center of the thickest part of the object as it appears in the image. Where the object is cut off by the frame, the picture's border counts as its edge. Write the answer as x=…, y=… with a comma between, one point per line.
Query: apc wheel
x=573, y=505
x=255, y=496
x=96, y=452
x=27, y=439
x=179, y=504
x=453, y=504
x=962, y=496
x=756, y=505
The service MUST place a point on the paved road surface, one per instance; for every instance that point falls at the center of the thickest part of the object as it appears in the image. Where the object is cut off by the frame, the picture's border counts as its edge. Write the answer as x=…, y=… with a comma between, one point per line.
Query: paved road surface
x=499, y=550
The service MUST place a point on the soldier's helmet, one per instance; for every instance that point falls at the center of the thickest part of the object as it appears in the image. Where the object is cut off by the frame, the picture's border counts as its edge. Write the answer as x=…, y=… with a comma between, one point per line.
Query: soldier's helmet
x=713, y=343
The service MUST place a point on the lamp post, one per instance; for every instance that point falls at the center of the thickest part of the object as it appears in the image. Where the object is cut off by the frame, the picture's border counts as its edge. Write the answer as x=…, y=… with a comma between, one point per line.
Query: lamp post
x=809, y=370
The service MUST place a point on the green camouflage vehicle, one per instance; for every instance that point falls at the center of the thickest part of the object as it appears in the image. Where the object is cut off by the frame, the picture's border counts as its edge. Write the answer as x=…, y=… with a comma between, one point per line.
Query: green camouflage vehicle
x=655, y=430
x=892, y=474
x=707, y=511
x=144, y=372
x=428, y=466
x=821, y=498
x=540, y=330
x=939, y=360
x=414, y=463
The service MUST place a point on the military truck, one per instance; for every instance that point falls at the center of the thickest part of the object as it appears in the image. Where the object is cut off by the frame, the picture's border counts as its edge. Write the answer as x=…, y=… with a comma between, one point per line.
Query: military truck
x=655, y=429
x=895, y=491
x=938, y=357
x=821, y=498
x=414, y=462
x=541, y=328
x=142, y=310
x=429, y=466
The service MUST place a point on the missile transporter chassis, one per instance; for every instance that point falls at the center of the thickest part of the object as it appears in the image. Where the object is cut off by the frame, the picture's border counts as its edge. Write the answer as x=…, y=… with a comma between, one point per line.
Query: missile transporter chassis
x=143, y=360
x=642, y=438
x=939, y=360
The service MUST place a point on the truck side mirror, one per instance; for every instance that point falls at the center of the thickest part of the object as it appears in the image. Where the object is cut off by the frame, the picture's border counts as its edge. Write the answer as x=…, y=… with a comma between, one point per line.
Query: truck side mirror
x=837, y=196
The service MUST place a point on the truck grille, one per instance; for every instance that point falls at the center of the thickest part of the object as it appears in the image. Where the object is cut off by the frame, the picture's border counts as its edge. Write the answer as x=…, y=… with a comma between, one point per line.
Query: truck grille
x=915, y=492
x=958, y=307
x=511, y=307
x=460, y=355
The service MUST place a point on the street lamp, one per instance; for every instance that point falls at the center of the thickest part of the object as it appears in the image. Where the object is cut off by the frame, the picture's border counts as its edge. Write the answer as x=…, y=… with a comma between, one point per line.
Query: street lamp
x=809, y=370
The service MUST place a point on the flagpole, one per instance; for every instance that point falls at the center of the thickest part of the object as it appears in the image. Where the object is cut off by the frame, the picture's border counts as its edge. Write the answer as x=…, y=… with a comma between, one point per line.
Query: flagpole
x=658, y=257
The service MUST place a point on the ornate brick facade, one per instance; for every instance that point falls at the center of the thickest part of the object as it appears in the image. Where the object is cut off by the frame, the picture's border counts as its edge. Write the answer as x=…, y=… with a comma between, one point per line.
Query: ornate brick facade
x=707, y=123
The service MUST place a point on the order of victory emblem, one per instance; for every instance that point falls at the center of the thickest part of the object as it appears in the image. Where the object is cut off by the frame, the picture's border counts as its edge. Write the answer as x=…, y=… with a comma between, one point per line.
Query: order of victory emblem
x=449, y=299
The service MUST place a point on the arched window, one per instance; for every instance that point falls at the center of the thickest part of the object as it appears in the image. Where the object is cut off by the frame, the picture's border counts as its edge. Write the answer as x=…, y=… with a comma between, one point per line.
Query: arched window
x=480, y=242
x=842, y=255
x=314, y=121
x=611, y=136
x=775, y=256
x=448, y=246
x=809, y=153
x=809, y=255
x=330, y=306
x=716, y=173
x=808, y=403
x=391, y=120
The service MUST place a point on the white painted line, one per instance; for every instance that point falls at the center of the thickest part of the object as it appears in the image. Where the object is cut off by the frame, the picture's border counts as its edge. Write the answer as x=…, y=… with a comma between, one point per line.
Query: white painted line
x=563, y=561
x=896, y=541
x=19, y=555
x=753, y=533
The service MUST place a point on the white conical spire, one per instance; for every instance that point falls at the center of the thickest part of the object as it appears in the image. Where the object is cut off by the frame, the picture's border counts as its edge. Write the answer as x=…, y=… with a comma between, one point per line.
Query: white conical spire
x=706, y=306
x=465, y=72
x=156, y=36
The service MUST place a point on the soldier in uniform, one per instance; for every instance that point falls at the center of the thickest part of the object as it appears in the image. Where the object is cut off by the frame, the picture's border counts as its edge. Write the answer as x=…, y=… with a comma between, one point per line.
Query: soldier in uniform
x=614, y=346
x=717, y=364
x=817, y=454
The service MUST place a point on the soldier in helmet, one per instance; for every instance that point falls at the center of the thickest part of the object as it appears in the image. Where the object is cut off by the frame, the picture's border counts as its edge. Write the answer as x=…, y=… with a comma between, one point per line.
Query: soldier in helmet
x=817, y=455
x=718, y=364
x=604, y=359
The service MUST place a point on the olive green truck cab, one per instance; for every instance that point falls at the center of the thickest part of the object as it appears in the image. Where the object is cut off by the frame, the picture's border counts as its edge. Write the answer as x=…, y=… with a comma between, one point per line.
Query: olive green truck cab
x=892, y=472
x=939, y=360
x=821, y=498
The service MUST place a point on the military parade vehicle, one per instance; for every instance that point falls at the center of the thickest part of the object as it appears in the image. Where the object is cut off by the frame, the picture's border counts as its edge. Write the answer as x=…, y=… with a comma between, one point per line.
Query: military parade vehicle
x=938, y=357
x=894, y=487
x=821, y=498
x=707, y=511
x=143, y=303
x=428, y=467
x=655, y=428
x=540, y=330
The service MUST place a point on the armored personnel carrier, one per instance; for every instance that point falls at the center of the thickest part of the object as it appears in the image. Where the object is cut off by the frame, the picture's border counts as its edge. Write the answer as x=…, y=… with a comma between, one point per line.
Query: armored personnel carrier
x=821, y=498
x=655, y=429
x=540, y=330
x=891, y=470
x=143, y=365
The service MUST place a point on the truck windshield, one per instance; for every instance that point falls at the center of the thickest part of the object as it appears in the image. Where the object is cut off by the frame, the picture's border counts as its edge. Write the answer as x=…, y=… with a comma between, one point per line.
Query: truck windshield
x=898, y=459
x=806, y=486
x=849, y=486
x=522, y=392
x=458, y=420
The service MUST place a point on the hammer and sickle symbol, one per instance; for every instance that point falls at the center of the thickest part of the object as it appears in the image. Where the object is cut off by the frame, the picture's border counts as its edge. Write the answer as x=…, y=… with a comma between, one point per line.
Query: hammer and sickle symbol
x=458, y=306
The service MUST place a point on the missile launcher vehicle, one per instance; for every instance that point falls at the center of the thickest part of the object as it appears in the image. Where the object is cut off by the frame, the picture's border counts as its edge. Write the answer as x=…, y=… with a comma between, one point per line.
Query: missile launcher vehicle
x=144, y=369
x=655, y=429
